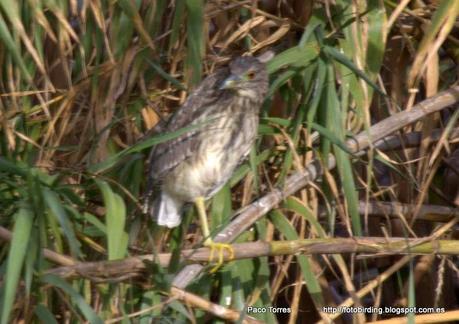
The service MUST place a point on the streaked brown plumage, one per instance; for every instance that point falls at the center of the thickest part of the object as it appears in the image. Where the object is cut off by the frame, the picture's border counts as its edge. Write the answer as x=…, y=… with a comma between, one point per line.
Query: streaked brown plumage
x=197, y=164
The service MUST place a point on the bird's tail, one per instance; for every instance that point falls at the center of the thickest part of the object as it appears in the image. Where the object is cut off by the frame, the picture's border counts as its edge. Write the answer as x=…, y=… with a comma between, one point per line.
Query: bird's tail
x=166, y=210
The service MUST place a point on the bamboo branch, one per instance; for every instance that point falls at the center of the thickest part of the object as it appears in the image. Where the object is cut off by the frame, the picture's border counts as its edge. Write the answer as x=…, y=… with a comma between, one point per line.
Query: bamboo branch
x=412, y=139
x=114, y=271
x=132, y=267
x=214, y=309
x=49, y=254
x=433, y=213
x=298, y=180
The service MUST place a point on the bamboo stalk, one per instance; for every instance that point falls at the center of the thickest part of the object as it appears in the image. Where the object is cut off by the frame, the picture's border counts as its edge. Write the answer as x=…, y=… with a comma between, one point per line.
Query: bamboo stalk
x=214, y=309
x=132, y=267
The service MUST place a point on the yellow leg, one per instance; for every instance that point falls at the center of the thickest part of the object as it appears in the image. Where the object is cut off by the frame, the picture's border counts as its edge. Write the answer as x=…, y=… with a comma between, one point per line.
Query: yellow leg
x=214, y=246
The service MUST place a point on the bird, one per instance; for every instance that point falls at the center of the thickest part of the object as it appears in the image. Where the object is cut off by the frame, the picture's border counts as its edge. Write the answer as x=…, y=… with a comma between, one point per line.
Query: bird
x=222, y=115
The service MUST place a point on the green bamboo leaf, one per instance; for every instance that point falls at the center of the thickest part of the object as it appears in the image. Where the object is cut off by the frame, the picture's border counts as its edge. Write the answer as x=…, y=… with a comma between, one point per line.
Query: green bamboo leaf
x=344, y=167
x=282, y=224
x=44, y=315
x=264, y=129
x=13, y=168
x=150, y=297
x=343, y=158
x=298, y=56
x=226, y=288
x=18, y=248
x=276, y=120
x=341, y=58
x=262, y=275
x=52, y=201
x=328, y=134
x=238, y=296
x=131, y=10
x=221, y=208
x=76, y=298
x=178, y=19
x=122, y=25
x=242, y=171
x=115, y=219
x=166, y=75
x=254, y=170
x=29, y=263
x=376, y=41
x=181, y=310
x=156, y=23
x=280, y=80
x=195, y=40
x=8, y=41
x=317, y=92
x=293, y=204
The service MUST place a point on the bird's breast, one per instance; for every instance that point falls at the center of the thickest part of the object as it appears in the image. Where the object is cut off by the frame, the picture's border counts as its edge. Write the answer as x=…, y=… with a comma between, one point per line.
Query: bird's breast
x=222, y=146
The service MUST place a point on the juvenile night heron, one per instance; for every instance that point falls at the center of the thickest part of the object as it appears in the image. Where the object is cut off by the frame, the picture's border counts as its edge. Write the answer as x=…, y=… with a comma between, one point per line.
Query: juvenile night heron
x=194, y=166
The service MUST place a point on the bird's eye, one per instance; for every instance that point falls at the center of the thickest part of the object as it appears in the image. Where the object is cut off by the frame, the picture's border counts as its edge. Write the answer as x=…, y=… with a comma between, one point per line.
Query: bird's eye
x=251, y=75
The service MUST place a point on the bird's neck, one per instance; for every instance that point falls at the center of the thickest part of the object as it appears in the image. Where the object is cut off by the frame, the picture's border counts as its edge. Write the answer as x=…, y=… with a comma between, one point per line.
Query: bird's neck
x=249, y=94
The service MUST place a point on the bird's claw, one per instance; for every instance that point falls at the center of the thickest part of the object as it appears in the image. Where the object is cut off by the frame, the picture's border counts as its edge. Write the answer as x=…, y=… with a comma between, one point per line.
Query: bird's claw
x=220, y=248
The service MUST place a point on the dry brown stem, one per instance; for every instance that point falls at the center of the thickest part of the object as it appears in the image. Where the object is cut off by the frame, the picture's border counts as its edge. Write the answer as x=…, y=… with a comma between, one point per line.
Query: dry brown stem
x=113, y=271
x=211, y=308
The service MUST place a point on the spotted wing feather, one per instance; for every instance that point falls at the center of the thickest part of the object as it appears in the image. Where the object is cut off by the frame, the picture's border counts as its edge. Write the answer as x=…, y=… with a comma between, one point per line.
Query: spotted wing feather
x=168, y=155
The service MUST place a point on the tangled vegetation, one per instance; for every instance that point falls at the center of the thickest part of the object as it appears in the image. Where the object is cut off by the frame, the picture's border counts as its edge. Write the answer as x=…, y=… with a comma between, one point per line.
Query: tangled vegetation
x=348, y=199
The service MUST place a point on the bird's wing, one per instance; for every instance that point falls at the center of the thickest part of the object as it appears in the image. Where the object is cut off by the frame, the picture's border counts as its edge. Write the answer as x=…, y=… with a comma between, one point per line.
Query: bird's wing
x=167, y=155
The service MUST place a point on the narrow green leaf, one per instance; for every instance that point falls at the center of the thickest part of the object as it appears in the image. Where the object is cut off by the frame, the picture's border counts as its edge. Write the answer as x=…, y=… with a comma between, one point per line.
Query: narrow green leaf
x=221, y=208
x=280, y=80
x=149, y=298
x=298, y=208
x=242, y=171
x=52, y=201
x=376, y=42
x=96, y=222
x=18, y=248
x=317, y=92
x=131, y=10
x=195, y=40
x=237, y=296
x=12, y=168
x=282, y=224
x=10, y=44
x=178, y=19
x=166, y=75
x=298, y=56
x=339, y=57
x=76, y=298
x=343, y=159
x=226, y=288
x=44, y=315
x=115, y=219
x=327, y=133
x=181, y=310
x=276, y=120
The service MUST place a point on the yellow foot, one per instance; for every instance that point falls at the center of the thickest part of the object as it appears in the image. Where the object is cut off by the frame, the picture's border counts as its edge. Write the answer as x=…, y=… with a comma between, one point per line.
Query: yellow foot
x=219, y=248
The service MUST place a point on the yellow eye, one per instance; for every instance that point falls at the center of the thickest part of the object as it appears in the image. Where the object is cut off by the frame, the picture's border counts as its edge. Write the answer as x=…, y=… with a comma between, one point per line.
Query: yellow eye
x=251, y=75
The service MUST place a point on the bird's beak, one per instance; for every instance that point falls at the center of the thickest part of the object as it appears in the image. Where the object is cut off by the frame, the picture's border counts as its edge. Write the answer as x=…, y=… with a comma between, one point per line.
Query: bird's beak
x=231, y=82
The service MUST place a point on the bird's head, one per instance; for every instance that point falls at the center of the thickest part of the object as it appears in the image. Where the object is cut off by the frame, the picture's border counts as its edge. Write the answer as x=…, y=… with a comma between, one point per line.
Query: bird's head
x=248, y=77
